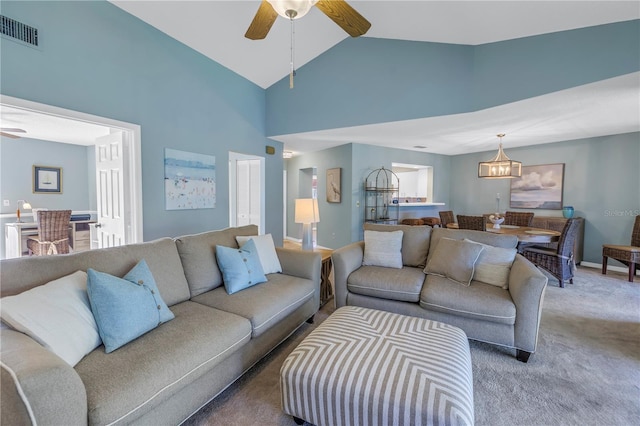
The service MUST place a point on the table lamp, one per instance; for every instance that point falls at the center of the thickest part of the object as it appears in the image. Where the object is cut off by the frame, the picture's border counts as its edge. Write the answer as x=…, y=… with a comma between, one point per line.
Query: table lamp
x=306, y=214
x=22, y=204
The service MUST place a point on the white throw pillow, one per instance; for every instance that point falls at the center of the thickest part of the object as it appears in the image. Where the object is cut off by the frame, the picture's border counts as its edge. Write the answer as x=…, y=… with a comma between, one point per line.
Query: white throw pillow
x=57, y=315
x=383, y=249
x=494, y=265
x=266, y=252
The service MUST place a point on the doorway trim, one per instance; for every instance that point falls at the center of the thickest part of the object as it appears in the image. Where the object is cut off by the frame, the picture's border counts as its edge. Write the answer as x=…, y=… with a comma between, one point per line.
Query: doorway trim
x=233, y=187
x=132, y=152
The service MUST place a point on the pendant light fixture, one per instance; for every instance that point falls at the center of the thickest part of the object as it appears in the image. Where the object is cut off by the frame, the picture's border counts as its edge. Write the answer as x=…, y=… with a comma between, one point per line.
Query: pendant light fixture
x=500, y=167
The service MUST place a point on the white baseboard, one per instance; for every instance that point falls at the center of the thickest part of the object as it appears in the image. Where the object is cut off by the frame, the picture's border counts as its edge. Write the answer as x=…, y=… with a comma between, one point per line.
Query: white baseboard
x=599, y=266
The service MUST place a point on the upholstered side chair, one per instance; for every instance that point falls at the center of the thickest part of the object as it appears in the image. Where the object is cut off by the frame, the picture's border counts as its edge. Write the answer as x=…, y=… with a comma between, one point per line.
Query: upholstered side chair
x=629, y=255
x=558, y=262
x=477, y=223
x=53, y=233
x=518, y=218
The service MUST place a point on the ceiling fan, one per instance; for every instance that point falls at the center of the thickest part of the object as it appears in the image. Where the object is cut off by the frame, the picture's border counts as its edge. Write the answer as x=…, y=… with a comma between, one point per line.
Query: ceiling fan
x=338, y=11
x=8, y=132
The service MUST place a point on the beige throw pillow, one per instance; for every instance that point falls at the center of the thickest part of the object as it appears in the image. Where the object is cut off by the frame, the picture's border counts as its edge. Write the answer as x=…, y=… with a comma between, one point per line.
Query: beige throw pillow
x=494, y=265
x=383, y=249
x=454, y=259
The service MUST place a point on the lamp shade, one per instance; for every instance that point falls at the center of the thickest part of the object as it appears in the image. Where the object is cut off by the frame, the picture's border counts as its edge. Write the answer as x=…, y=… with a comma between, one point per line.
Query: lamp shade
x=307, y=210
x=292, y=9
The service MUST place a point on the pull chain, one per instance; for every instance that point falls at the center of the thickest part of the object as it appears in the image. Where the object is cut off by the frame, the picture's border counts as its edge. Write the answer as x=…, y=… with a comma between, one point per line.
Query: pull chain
x=292, y=72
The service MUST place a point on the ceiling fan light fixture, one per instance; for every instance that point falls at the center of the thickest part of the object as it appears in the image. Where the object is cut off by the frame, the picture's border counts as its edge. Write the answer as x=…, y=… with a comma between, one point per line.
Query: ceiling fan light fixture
x=500, y=167
x=292, y=9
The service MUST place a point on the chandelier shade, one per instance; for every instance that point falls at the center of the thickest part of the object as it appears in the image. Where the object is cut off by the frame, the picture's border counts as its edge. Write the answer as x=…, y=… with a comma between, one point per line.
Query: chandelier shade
x=500, y=167
x=292, y=9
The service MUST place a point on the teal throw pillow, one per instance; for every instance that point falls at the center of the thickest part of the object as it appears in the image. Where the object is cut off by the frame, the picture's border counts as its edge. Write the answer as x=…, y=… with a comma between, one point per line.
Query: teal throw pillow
x=125, y=308
x=240, y=267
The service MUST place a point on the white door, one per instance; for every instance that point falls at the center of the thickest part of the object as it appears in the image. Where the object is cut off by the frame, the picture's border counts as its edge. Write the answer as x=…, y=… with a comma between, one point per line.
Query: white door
x=246, y=189
x=109, y=231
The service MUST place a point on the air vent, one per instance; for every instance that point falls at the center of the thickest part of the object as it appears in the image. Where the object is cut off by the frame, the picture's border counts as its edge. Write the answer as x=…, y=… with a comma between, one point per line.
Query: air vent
x=19, y=31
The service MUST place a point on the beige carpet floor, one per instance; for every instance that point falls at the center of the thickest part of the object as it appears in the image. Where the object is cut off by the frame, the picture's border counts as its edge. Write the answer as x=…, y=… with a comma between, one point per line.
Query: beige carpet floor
x=586, y=370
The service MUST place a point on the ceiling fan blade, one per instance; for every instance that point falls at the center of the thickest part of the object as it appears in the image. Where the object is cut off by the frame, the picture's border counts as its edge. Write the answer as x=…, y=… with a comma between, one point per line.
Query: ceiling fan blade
x=345, y=16
x=12, y=129
x=262, y=22
x=9, y=135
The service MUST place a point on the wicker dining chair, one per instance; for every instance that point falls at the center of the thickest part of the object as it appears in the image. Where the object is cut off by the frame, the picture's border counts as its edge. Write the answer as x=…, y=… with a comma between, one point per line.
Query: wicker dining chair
x=558, y=262
x=629, y=255
x=446, y=217
x=518, y=218
x=53, y=233
x=477, y=223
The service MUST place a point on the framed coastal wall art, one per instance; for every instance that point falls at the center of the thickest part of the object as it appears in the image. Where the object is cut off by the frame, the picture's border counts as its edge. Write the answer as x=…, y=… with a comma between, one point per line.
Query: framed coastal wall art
x=47, y=180
x=189, y=180
x=333, y=185
x=539, y=187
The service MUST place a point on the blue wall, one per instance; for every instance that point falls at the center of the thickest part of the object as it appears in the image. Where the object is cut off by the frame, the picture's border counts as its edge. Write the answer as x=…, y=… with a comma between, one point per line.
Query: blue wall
x=368, y=80
x=601, y=181
x=341, y=224
x=98, y=59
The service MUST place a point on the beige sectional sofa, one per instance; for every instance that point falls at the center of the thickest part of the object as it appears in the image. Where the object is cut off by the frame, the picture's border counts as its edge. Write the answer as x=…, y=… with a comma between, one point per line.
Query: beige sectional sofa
x=170, y=372
x=508, y=317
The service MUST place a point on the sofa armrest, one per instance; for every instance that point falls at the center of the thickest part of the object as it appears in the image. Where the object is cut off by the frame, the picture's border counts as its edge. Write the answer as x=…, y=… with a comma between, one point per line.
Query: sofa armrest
x=38, y=387
x=527, y=286
x=303, y=264
x=345, y=260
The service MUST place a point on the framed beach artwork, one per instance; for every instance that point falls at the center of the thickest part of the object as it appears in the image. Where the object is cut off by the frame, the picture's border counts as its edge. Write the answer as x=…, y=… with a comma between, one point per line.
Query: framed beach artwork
x=333, y=185
x=47, y=180
x=189, y=180
x=540, y=187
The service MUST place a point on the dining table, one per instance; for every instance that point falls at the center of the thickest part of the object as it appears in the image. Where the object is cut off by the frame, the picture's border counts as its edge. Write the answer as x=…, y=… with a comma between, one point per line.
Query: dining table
x=525, y=234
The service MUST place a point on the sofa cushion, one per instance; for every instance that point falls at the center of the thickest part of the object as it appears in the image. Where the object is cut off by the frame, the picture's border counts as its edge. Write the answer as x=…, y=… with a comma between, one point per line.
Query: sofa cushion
x=387, y=283
x=125, y=308
x=57, y=315
x=415, y=242
x=198, y=256
x=479, y=301
x=266, y=252
x=494, y=264
x=265, y=304
x=496, y=240
x=454, y=259
x=383, y=249
x=241, y=267
x=133, y=380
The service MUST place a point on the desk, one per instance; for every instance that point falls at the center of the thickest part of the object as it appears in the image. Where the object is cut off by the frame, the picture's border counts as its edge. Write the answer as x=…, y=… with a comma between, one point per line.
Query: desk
x=16, y=235
x=525, y=234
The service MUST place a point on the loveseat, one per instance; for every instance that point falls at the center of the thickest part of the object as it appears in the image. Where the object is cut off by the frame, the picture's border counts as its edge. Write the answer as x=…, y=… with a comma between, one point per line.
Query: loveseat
x=506, y=313
x=168, y=373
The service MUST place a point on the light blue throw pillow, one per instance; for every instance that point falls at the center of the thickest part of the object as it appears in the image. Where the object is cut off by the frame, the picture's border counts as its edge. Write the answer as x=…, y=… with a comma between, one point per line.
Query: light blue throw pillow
x=125, y=308
x=241, y=267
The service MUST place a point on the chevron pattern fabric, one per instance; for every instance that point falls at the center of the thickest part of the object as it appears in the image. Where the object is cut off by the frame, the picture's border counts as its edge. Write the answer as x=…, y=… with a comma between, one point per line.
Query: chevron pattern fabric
x=367, y=367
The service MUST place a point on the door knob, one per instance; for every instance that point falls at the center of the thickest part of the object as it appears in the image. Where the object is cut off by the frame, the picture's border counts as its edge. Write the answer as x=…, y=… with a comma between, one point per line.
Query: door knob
x=98, y=225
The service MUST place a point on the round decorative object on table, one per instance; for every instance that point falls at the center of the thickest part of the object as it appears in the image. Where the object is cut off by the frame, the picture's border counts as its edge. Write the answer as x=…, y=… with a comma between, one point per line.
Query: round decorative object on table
x=497, y=220
x=567, y=212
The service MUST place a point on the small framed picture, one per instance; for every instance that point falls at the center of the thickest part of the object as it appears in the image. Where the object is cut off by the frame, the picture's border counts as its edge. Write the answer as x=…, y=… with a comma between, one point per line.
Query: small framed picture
x=47, y=180
x=333, y=185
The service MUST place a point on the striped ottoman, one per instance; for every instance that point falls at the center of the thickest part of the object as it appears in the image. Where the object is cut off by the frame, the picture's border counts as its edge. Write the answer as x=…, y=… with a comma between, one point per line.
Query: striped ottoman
x=367, y=367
